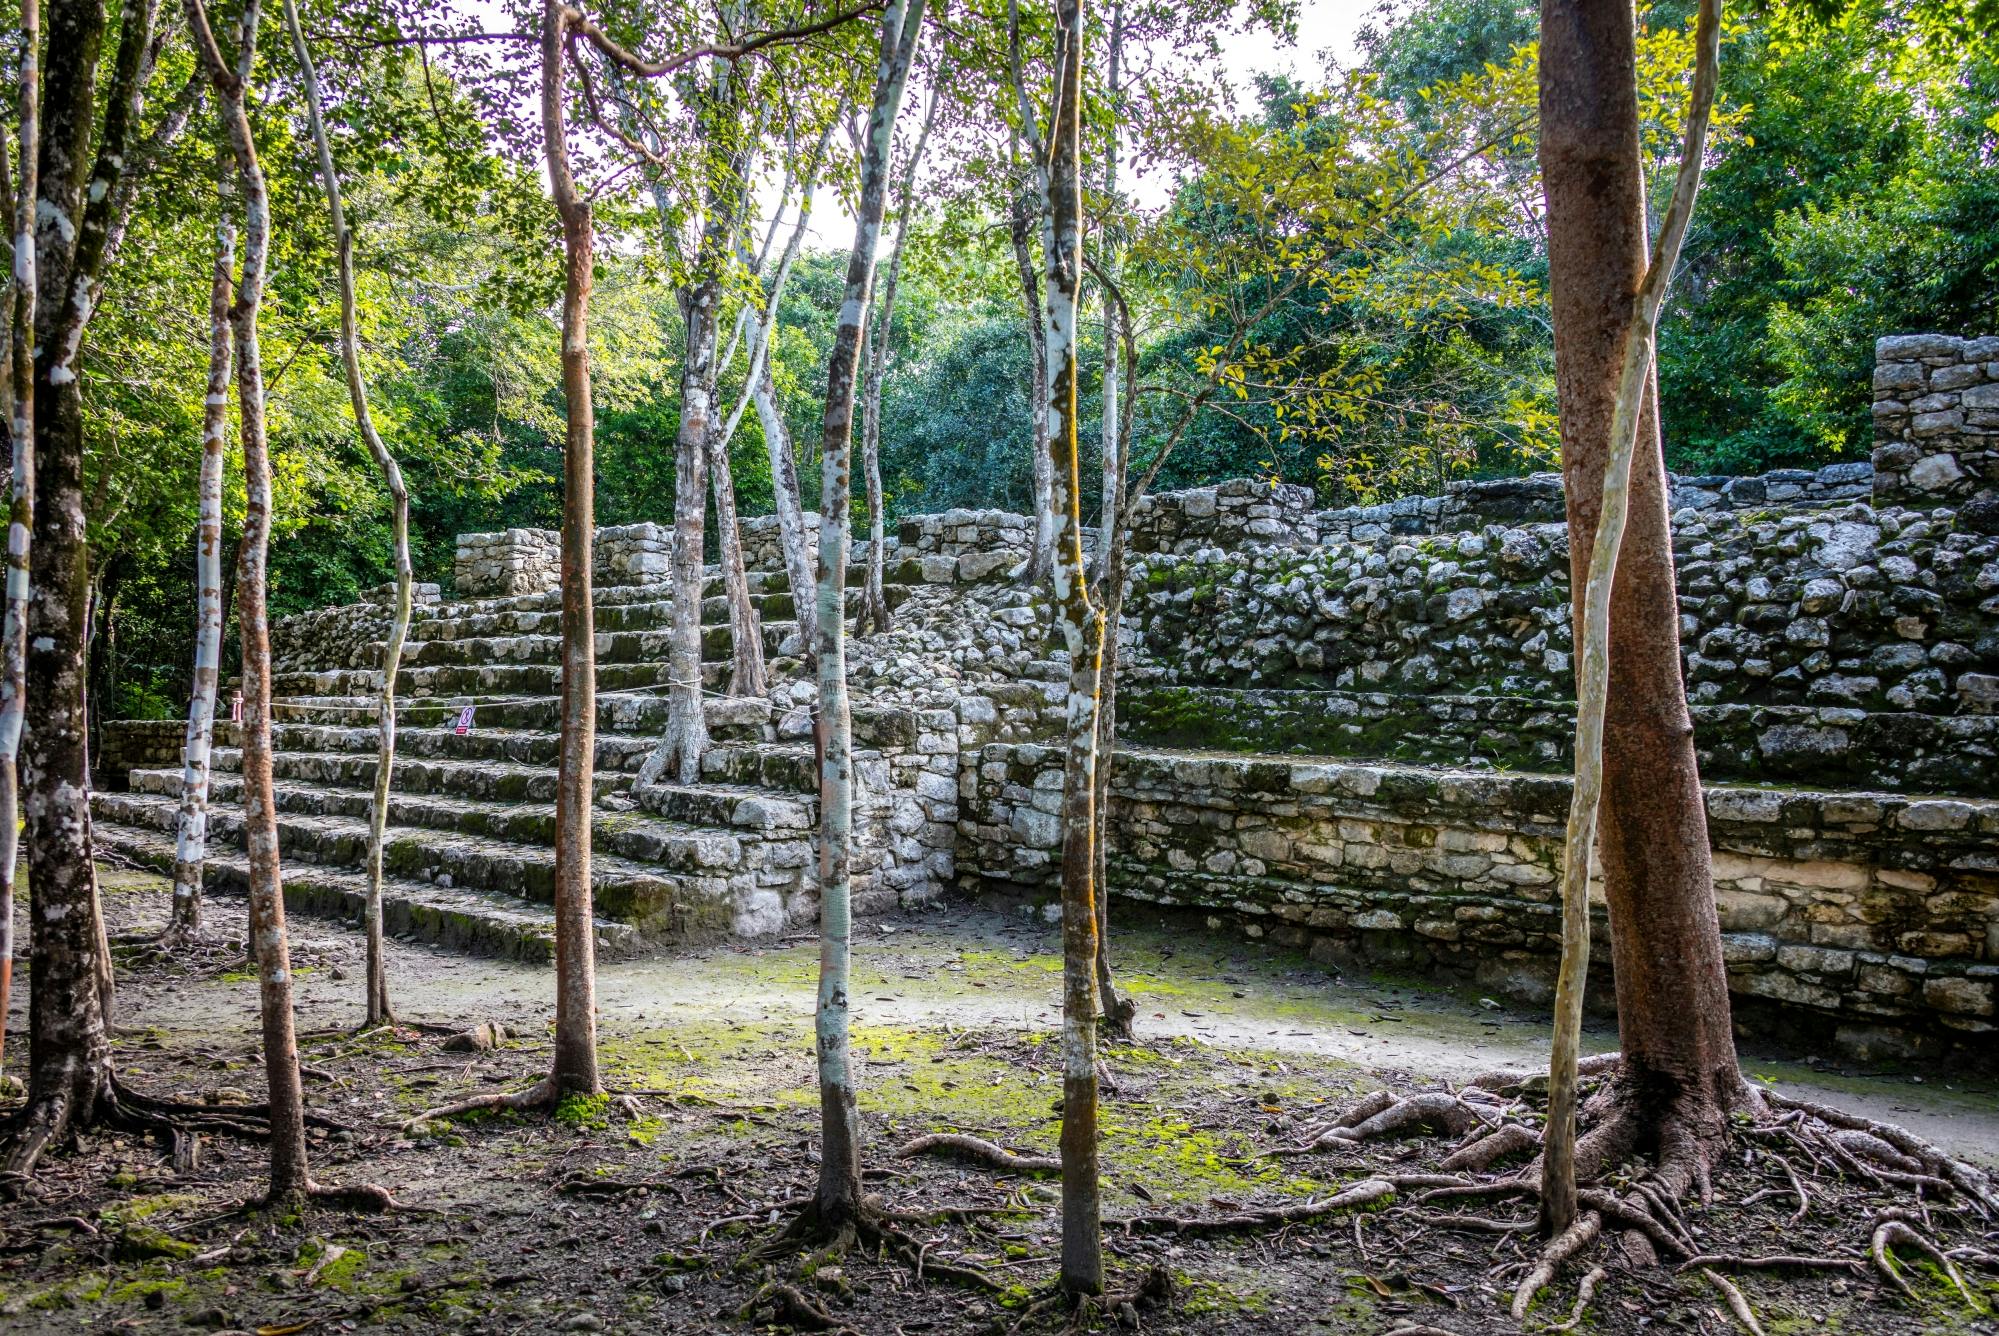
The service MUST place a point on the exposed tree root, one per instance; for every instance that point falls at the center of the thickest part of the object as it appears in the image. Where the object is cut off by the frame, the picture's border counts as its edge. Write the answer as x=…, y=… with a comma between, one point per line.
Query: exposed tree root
x=871, y=1227
x=1894, y=1232
x=1584, y=1293
x=1736, y=1303
x=786, y=1305
x=1382, y=1115
x=50, y=1121
x=1775, y=1262
x=1365, y=1193
x=957, y=1146
x=541, y=1095
x=1559, y=1250
x=1514, y=1139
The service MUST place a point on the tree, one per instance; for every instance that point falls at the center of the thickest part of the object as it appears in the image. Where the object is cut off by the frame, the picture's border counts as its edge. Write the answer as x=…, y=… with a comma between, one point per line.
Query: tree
x=1082, y=1270
x=837, y=1204
x=19, y=379
x=874, y=603
x=82, y=203
x=378, y=1010
x=1592, y=602
x=191, y=827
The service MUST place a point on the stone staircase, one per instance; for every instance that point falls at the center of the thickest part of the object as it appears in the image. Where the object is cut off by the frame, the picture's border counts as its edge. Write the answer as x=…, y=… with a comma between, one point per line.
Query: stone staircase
x=469, y=858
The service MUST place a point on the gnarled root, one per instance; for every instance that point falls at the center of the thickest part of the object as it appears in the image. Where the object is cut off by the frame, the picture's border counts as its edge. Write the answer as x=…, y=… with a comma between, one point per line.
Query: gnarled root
x=1505, y=1143
x=870, y=1226
x=957, y=1146
x=1435, y=1113
x=1736, y=1303
x=1560, y=1249
x=1360, y=1195
x=540, y=1095
x=1893, y=1232
x=54, y=1120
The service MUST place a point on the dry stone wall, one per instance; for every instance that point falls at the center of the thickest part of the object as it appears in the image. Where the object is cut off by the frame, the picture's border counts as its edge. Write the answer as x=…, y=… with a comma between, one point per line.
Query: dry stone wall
x=1936, y=421
x=1878, y=610
x=513, y=561
x=1873, y=920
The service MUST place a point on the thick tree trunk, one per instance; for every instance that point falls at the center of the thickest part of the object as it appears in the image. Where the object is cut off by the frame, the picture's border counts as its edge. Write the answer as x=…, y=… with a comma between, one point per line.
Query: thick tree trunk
x=1680, y=1075
x=1112, y=472
x=290, y=1179
x=746, y=660
x=378, y=1009
x=1634, y=383
x=191, y=828
x=69, y=1051
x=838, y=1198
x=1082, y=1270
x=20, y=375
x=798, y=544
x=575, y=1065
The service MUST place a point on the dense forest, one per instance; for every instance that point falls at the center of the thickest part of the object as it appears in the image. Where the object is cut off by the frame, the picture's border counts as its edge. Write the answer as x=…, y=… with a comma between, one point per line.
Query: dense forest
x=1852, y=190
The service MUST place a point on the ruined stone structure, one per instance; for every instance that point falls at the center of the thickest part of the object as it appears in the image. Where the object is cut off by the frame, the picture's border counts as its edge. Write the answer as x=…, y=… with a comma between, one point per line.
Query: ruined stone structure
x=1345, y=731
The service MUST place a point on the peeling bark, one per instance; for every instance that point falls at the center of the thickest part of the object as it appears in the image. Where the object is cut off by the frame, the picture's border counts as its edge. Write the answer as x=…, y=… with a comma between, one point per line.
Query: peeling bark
x=191, y=826
x=837, y=1201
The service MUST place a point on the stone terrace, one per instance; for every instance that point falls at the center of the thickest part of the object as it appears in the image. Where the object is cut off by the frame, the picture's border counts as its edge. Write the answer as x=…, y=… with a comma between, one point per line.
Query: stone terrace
x=1345, y=731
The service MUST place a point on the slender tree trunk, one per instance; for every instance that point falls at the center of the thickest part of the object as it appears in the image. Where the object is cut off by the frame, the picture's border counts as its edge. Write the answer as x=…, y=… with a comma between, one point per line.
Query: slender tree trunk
x=1020, y=223
x=20, y=373
x=1112, y=473
x=378, y=1009
x=746, y=666
x=575, y=1065
x=1593, y=635
x=790, y=506
x=1082, y=1270
x=678, y=756
x=838, y=1199
x=1680, y=1076
x=874, y=602
x=191, y=829
x=290, y=1179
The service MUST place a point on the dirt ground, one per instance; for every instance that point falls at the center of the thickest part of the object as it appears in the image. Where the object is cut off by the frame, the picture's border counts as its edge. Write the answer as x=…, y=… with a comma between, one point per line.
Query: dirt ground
x=646, y=1219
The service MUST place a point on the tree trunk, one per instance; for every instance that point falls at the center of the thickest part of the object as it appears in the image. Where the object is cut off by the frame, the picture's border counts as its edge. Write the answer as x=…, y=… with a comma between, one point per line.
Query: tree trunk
x=191, y=829
x=838, y=1199
x=20, y=376
x=1112, y=472
x=290, y=1180
x=1082, y=1270
x=378, y=1009
x=1019, y=224
x=575, y=1064
x=746, y=660
x=790, y=506
x=1680, y=1076
x=69, y=1052
x=677, y=759
x=1593, y=666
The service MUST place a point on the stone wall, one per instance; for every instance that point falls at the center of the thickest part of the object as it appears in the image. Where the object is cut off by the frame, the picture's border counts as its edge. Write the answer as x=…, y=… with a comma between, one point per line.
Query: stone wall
x=1936, y=420
x=1232, y=514
x=124, y=745
x=1881, y=610
x=514, y=561
x=630, y=554
x=1537, y=499
x=1872, y=919
x=1772, y=744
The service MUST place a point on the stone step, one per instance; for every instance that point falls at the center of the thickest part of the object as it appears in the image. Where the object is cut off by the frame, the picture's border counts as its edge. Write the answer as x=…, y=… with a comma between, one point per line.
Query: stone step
x=502, y=679
x=480, y=781
x=606, y=597
x=741, y=805
x=730, y=718
x=614, y=647
x=467, y=920
x=788, y=768
x=666, y=880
